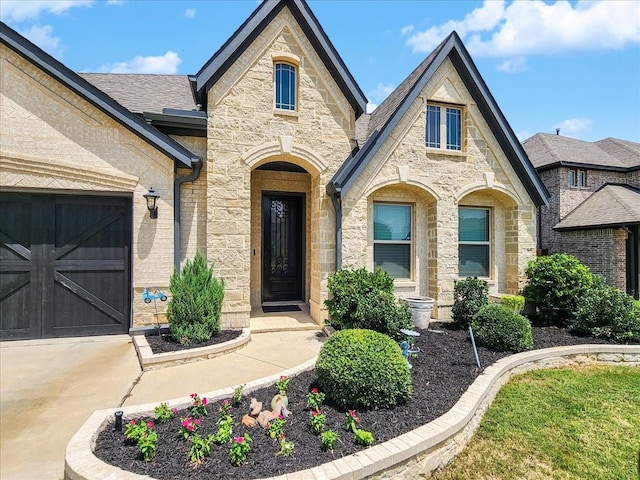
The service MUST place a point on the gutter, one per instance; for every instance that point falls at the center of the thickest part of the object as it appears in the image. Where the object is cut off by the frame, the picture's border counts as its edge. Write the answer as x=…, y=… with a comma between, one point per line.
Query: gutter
x=177, y=243
x=337, y=205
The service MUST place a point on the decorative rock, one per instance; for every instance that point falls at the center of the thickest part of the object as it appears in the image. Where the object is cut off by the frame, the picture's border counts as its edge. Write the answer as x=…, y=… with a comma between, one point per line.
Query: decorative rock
x=256, y=406
x=248, y=421
x=281, y=409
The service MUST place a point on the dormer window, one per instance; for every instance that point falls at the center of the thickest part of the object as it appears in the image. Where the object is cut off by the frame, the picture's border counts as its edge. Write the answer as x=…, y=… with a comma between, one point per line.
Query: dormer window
x=577, y=178
x=444, y=127
x=285, y=86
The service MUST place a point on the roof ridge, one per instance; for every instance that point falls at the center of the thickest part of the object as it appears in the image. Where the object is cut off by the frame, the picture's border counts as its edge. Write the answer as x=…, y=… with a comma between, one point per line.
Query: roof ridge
x=620, y=201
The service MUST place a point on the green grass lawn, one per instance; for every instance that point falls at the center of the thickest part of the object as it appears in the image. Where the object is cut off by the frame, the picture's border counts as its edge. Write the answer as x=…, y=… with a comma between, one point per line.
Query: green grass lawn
x=581, y=423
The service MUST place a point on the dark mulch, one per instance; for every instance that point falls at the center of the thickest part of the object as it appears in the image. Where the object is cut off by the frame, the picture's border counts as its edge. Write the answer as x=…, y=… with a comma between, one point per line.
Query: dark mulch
x=441, y=374
x=164, y=343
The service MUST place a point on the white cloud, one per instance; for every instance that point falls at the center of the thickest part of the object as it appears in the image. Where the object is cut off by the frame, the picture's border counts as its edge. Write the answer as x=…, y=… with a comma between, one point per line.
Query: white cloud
x=379, y=93
x=572, y=127
x=513, y=65
x=166, y=64
x=115, y=2
x=43, y=37
x=371, y=107
x=523, y=135
x=190, y=12
x=406, y=30
x=17, y=11
x=536, y=27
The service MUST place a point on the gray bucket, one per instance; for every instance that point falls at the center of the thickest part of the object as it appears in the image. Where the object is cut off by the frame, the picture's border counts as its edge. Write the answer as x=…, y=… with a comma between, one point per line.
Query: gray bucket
x=421, y=308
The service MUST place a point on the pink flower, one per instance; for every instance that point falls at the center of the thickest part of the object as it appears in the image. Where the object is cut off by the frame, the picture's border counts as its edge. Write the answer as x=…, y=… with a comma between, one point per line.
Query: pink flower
x=282, y=436
x=193, y=395
x=314, y=390
x=204, y=401
x=282, y=377
x=190, y=427
x=280, y=417
x=239, y=439
x=197, y=421
x=174, y=410
x=225, y=403
x=150, y=424
x=132, y=422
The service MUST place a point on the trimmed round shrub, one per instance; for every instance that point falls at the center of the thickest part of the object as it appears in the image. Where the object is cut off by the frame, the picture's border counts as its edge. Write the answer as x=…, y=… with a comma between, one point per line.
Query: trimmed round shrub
x=364, y=299
x=607, y=312
x=360, y=368
x=500, y=328
x=194, y=309
x=469, y=296
x=556, y=285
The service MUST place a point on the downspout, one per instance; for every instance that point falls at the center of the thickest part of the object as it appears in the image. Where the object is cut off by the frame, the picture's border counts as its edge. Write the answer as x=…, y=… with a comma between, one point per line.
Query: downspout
x=177, y=243
x=337, y=205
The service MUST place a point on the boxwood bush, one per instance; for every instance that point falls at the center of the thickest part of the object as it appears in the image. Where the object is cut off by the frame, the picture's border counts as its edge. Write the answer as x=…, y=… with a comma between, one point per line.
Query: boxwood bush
x=360, y=368
x=607, y=312
x=469, y=296
x=514, y=302
x=500, y=328
x=363, y=299
x=556, y=285
x=194, y=309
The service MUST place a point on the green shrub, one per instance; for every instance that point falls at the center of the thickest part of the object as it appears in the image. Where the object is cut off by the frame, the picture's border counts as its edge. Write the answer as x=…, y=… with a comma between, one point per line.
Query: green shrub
x=359, y=368
x=469, y=296
x=500, y=328
x=363, y=299
x=606, y=312
x=556, y=285
x=514, y=302
x=196, y=303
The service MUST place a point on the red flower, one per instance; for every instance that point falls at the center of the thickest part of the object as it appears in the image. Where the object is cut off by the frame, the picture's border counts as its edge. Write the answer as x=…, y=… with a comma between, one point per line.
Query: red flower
x=204, y=401
x=282, y=436
x=150, y=424
x=193, y=395
x=314, y=390
x=132, y=422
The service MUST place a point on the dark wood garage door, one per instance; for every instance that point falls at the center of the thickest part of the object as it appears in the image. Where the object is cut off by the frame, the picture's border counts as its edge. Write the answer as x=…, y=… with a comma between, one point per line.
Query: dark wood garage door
x=64, y=265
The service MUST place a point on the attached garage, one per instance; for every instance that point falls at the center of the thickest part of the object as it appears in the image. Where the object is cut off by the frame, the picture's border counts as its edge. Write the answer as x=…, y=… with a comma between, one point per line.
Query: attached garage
x=65, y=265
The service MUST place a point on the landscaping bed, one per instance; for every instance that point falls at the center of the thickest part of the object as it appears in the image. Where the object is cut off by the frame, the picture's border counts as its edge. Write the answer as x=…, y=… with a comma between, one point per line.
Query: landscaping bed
x=441, y=374
x=164, y=343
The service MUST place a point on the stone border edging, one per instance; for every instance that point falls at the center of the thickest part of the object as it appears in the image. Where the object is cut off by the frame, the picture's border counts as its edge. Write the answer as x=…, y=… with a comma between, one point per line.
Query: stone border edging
x=152, y=361
x=424, y=449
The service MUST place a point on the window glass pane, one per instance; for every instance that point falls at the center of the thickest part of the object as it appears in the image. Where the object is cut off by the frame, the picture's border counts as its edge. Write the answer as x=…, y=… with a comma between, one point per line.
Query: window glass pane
x=285, y=86
x=433, y=126
x=395, y=259
x=473, y=225
x=391, y=222
x=572, y=178
x=454, y=137
x=582, y=177
x=474, y=260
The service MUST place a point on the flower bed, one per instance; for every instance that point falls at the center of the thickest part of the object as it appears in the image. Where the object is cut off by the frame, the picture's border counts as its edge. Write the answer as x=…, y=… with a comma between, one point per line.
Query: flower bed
x=441, y=373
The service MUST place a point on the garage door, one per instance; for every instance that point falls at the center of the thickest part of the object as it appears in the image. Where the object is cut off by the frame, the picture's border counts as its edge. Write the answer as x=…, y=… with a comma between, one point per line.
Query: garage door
x=64, y=265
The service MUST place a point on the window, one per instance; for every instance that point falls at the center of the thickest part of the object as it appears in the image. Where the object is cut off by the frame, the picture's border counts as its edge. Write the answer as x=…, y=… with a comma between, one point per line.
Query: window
x=285, y=85
x=474, y=245
x=577, y=178
x=447, y=126
x=392, y=239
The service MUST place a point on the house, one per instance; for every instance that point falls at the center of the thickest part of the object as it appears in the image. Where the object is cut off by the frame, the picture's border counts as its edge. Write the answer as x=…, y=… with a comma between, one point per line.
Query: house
x=594, y=212
x=265, y=161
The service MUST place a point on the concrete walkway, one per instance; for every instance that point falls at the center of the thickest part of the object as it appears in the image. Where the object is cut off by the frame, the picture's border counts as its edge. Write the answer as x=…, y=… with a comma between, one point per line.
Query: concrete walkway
x=48, y=388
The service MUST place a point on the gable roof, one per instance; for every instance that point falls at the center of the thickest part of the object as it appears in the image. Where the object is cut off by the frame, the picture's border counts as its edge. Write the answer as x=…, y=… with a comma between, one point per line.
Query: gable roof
x=95, y=96
x=609, y=206
x=218, y=64
x=548, y=151
x=384, y=119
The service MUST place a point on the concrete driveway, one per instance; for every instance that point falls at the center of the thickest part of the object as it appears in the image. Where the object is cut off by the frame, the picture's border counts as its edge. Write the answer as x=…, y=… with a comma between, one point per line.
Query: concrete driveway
x=48, y=389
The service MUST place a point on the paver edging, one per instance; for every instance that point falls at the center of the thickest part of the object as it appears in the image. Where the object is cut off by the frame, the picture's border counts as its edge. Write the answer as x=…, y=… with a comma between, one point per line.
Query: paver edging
x=427, y=447
x=152, y=361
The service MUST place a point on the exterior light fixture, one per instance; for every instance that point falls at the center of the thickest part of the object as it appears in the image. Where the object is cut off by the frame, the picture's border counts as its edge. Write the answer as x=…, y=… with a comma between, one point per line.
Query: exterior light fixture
x=152, y=197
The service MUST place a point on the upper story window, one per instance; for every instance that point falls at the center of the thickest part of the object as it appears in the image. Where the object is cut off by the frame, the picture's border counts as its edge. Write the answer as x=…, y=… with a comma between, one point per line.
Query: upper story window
x=577, y=178
x=392, y=244
x=444, y=127
x=474, y=242
x=285, y=86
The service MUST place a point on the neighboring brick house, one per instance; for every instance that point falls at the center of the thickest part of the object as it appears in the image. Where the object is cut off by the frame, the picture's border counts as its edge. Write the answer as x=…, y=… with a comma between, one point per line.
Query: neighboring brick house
x=594, y=212
x=266, y=162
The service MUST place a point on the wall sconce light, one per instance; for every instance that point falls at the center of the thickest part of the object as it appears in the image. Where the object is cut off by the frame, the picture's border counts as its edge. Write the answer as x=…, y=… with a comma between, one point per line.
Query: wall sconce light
x=152, y=197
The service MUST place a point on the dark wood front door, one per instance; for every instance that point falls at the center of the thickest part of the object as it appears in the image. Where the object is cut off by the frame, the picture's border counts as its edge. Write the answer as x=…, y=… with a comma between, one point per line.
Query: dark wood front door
x=282, y=247
x=64, y=265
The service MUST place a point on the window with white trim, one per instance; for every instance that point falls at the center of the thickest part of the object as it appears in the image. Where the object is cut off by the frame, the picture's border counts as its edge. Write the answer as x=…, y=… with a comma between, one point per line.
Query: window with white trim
x=444, y=127
x=285, y=86
x=392, y=240
x=474, y=242
x=577, y=178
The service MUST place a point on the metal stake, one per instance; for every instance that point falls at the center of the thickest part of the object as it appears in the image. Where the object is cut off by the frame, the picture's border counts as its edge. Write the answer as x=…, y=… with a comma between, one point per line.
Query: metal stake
x=475, y=350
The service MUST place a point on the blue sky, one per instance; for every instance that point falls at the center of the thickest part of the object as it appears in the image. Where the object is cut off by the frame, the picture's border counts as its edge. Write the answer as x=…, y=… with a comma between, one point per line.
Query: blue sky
x=568, y=65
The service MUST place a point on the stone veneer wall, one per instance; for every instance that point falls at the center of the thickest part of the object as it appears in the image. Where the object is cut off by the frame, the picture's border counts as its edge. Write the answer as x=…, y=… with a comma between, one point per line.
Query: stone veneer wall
x=245, y=131
x=480, y=175
x=53, y=140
